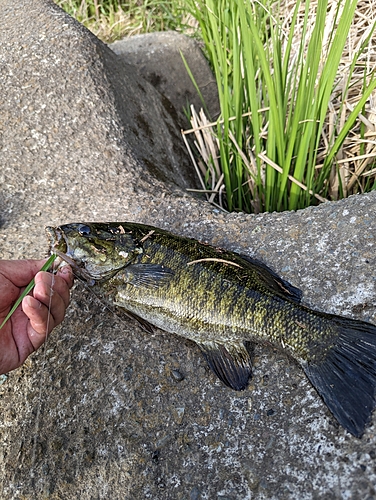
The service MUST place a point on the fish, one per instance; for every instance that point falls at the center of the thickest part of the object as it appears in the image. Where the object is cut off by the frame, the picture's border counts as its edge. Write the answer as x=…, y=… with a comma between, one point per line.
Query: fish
x=226, y=303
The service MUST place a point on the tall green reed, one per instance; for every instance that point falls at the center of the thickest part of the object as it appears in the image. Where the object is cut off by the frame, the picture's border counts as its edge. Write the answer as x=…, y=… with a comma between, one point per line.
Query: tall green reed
x=274, y=98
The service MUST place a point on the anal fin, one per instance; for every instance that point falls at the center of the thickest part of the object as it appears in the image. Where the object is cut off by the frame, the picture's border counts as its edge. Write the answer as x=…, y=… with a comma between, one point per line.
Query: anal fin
x=232, y=363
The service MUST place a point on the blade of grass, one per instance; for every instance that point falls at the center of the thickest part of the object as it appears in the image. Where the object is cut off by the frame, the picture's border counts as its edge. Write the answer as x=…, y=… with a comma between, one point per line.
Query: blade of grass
x=295, y=108
x=251, y=63
x=28, y=289
x=306, y=106
x=366, y=93
x=191, y=76
x=350, y=120
x=252, y=102
x=291, y=178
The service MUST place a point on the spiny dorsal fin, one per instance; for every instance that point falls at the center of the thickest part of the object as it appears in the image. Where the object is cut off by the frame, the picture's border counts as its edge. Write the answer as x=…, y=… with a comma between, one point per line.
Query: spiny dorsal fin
x=273, y=281
x=230, y=362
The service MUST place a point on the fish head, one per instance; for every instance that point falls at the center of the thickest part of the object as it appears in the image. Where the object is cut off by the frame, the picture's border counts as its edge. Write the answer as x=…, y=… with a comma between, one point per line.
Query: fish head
x=95, y=251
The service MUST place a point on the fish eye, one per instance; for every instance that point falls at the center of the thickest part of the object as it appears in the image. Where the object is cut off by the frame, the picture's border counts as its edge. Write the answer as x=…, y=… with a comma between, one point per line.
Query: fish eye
x=83, y=230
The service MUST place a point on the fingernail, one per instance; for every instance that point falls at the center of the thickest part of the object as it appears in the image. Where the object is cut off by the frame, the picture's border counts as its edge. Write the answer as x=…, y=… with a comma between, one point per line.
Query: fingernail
x=30, y=302
x=65, y=270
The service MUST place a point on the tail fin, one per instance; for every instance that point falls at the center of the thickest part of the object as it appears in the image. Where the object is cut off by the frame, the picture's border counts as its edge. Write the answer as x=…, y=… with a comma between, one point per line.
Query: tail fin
x=346, y=378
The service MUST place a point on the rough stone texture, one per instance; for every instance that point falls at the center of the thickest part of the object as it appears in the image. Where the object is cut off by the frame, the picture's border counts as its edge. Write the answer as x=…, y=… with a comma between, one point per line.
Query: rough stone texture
x=157, y=57
x=107, y=410
x=61, y=65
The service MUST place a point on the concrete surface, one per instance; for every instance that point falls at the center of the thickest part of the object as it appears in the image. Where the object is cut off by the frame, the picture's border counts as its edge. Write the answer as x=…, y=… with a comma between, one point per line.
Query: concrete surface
x=107, y=410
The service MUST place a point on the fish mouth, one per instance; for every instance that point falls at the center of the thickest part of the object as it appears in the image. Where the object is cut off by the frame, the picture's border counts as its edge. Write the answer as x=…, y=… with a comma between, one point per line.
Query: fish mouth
x=56, y=239
x=58, y=246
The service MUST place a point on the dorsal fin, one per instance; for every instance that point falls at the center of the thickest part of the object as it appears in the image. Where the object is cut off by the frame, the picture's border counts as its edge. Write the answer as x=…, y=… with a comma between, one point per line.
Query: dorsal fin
x=272, y=280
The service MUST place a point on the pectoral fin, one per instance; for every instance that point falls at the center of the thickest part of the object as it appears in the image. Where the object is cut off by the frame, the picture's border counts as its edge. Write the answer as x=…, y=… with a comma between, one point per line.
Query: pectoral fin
x=231, y=363
x=146, y=275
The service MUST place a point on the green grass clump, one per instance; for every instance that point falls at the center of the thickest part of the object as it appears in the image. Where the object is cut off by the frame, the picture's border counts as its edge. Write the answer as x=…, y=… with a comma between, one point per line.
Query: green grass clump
x=295, y=83
x=111, y=20
x=286, y=83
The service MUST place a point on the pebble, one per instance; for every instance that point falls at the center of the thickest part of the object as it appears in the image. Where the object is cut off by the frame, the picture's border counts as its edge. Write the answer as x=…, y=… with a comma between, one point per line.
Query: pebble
x=176, y=375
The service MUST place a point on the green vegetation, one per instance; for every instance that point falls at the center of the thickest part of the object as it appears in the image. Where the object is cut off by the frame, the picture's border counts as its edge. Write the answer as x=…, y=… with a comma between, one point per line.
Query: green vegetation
x=287, y=113
x=111, y=20
x=28, y=289
x=295, y=84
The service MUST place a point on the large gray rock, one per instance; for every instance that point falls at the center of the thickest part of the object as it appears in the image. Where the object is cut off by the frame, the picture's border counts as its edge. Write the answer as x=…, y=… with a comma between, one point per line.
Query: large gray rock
x=107, y=410
x=158, y=58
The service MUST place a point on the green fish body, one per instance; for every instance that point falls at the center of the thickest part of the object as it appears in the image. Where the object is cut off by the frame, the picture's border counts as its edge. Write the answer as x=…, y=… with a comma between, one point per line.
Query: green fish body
x=225, y=302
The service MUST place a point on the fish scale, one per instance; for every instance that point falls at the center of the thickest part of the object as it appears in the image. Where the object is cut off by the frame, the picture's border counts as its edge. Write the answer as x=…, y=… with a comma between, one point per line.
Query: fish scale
x=230, y=304
x=225, y=302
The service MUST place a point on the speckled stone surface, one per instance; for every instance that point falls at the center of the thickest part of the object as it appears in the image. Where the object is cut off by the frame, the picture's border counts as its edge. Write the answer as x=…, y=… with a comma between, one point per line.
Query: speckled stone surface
x=158, y=57
x=107, y=410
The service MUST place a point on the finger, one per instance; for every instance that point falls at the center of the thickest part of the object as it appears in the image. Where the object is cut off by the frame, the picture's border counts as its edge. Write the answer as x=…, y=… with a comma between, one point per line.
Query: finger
x=53, y=292
x=42, y=321
x=20, y=272
x=15, y=345
x=49, y=287
x=38, y=315
x=66, y=273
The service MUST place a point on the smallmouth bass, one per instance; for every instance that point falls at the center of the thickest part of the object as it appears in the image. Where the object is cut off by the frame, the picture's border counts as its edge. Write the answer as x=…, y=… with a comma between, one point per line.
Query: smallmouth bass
x=225, y=302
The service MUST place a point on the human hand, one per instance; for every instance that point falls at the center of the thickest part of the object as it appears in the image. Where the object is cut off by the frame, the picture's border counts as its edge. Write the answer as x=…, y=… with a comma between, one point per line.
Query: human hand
x=26, y=330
